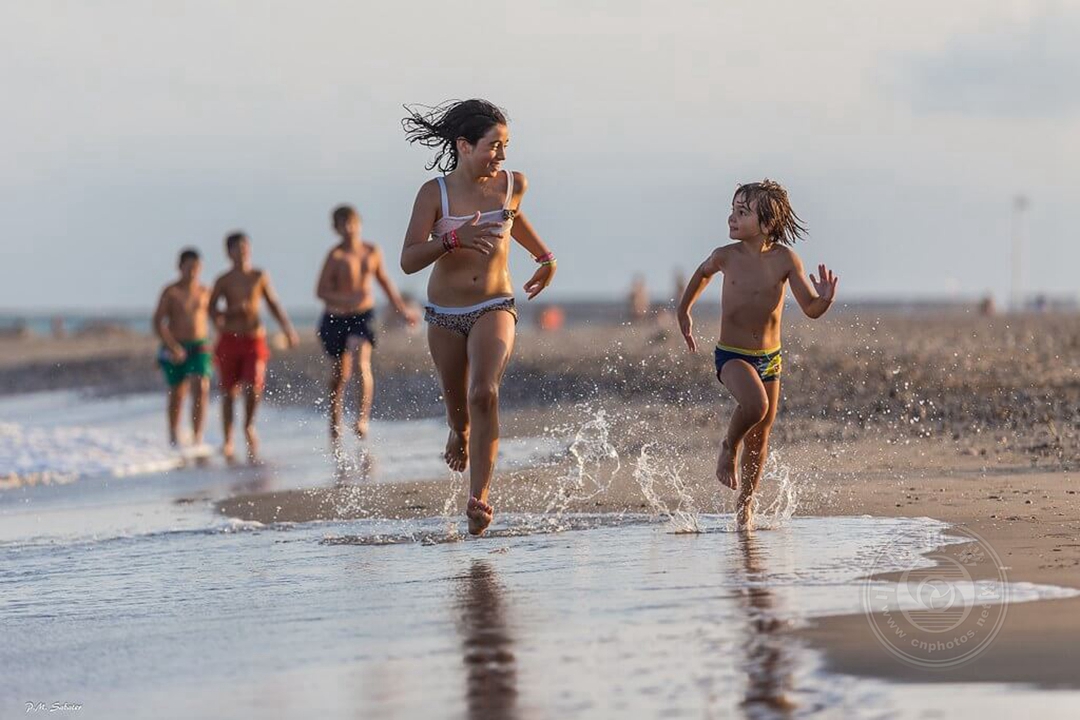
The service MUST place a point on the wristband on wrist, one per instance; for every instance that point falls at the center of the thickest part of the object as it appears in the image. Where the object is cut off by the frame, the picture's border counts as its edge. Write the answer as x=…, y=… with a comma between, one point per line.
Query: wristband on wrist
x=450, y=241
x=546, y=259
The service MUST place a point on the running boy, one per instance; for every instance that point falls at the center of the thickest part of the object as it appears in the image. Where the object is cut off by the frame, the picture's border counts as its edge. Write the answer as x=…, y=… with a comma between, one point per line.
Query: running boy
x=346, y=328
x=748, y=359
x=180, y=320
x=242, y=351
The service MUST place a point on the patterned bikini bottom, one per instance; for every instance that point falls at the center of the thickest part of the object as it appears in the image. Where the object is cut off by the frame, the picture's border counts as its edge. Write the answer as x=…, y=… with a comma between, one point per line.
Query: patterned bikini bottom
x=461, y=320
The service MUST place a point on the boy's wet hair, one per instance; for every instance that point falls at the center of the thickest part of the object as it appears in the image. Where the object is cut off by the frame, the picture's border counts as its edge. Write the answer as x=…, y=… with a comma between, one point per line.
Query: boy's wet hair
x=187, y=254
x=442, y=125
x=234, y=239
x=770, y=201
x=342, y=213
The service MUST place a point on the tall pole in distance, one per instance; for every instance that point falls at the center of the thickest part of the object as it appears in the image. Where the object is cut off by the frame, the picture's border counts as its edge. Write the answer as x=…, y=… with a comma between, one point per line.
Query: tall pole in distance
x=1019, y=232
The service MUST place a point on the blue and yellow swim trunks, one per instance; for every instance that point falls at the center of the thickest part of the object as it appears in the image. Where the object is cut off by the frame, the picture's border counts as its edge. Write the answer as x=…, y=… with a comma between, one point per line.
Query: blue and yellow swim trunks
x=766, y=363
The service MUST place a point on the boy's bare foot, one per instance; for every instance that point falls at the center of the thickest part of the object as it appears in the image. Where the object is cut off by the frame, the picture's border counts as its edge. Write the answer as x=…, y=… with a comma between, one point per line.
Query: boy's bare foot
x=480, y=515
x=361, y=429
x=725, y=466
x=252, y=445
x=457, y=451
x=197, y=454
x=228, y=452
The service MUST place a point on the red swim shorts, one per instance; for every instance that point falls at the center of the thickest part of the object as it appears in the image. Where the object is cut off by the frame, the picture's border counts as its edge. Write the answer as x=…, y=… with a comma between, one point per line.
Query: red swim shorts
x=241, y=360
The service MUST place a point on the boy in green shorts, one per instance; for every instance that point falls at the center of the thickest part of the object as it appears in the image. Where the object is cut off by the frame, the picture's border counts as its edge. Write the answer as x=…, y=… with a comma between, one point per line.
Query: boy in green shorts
x=181, y=321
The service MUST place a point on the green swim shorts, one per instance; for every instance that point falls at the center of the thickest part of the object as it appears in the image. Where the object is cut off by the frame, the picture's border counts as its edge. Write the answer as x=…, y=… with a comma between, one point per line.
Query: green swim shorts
x=198, y=362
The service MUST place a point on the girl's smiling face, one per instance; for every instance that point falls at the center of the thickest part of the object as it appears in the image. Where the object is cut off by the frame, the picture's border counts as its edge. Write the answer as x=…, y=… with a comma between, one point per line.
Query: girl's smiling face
x=487, y=155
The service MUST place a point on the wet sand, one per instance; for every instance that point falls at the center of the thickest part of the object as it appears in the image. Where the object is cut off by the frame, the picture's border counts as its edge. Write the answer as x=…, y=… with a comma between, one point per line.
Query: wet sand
x=970, y=420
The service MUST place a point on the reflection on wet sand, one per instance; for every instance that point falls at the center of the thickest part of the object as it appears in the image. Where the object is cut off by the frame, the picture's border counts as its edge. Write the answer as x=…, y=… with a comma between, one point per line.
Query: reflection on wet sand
x=767, y=661
x=490, y=665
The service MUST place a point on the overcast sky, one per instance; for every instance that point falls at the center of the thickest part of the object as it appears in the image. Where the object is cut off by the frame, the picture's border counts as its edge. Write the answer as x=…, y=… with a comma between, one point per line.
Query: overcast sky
x=902, y=130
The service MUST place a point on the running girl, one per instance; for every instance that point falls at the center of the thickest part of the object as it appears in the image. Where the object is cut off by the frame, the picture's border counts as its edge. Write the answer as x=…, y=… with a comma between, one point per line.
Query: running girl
x=462, y=223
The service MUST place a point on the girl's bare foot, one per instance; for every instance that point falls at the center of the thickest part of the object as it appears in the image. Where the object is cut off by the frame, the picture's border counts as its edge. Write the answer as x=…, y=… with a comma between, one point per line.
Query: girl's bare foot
x=725, y=466
x=480, y=515
x=457, y=451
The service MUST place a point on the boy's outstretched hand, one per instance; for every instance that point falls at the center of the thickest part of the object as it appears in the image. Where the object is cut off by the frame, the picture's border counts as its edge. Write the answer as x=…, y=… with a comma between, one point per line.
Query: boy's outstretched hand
x=686, y=326
x=826, y=286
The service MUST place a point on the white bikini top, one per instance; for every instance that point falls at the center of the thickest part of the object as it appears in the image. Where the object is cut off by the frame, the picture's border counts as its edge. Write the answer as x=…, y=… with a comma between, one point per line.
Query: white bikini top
x=503, y=215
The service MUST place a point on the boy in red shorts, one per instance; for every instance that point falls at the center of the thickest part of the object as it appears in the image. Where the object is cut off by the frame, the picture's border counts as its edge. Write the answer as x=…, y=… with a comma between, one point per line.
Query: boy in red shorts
x=242, y=351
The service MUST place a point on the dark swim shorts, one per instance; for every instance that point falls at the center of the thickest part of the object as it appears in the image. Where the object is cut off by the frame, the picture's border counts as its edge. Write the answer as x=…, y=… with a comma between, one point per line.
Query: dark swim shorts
x=766, y=363
x=335, y=331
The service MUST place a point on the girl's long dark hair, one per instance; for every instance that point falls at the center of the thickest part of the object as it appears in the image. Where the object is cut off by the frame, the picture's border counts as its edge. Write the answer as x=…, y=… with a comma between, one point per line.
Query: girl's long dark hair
x=440, y=127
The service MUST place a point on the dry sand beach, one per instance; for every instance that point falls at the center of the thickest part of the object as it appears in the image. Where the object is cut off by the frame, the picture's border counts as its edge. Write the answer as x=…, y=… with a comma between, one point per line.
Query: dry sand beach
x=971, y=420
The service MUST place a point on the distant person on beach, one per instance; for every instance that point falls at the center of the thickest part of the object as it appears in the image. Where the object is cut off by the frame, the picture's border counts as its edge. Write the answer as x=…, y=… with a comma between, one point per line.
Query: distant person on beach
x=242, y=351
x=637, y=304
x=748, y=355
x=462, y=224
x=346, y=329
x=180, y=320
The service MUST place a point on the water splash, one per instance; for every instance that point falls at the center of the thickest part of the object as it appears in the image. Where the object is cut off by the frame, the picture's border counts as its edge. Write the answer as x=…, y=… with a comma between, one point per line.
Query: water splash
x=778, y=482
x=450, y=505
x=684, y=517
x=589, y=451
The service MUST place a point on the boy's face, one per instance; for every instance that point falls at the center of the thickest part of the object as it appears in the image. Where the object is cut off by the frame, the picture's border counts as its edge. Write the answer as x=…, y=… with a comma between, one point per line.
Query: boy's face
x=743, y=223
x=189, y=269
x=240, y=252
x=487, y=156
x=350, y=227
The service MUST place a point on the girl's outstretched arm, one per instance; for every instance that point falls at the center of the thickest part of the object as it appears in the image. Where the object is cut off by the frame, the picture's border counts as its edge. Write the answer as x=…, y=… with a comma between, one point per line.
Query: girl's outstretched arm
x=815, y=300
x=523, y=232
x=694, y=287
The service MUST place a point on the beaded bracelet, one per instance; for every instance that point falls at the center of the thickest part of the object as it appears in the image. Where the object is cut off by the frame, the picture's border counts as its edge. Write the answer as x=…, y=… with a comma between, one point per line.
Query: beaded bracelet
x=450, y=241
x=546, y=259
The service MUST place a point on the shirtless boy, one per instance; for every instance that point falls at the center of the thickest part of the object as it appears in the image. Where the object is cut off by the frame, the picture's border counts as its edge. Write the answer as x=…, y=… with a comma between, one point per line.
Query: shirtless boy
x=748, y=359
x=242, y=351
x=180, y=320
x=346, y=328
